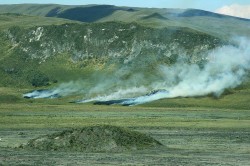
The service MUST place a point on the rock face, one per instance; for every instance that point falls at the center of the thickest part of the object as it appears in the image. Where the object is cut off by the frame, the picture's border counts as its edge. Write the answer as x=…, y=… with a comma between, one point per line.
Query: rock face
x=94, y=139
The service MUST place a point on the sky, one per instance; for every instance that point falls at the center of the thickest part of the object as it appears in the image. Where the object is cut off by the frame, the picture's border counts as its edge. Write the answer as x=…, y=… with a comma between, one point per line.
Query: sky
x=239, y=8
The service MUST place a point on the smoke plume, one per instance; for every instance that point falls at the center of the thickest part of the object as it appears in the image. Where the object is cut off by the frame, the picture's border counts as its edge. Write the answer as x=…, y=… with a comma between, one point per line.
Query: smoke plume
x=235, y=10
x=226, y=68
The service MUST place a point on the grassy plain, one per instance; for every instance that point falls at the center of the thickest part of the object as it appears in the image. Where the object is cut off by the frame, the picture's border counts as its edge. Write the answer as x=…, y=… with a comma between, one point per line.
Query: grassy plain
x=194, y=131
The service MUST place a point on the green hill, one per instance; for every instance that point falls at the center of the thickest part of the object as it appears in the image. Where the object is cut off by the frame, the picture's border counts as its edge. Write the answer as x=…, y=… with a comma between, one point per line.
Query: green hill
x=219, y=25
x=8, y=20
x=39, y=49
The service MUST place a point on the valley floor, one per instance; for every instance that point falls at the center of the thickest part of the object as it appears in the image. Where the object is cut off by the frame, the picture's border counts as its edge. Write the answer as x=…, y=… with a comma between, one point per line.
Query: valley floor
x=191, y=136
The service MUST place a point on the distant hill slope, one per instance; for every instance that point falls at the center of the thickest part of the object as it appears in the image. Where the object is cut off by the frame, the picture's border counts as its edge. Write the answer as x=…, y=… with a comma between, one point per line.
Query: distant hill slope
x=87, y=13
x=219, y=25
x=11, y=19
x=155, y=16
x=91, y=13
x=195, y=13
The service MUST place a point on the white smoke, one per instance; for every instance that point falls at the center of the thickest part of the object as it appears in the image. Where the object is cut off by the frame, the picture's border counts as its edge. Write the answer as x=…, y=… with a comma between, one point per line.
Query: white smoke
x=65, y=89
x=236, y=10
x=121, y=93
x=226, y=68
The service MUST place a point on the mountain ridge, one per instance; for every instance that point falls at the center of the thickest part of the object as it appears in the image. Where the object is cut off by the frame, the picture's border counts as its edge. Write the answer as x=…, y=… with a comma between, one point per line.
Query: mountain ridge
x=220, y=25
x=47, y=10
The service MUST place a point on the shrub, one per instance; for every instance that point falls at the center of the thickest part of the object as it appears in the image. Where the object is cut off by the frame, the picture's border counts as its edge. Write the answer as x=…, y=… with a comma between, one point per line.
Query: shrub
x=37, y=78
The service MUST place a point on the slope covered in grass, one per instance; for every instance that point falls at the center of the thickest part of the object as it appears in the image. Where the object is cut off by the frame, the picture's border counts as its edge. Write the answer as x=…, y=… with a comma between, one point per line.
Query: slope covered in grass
x=38, y=51
x=25, y=21
x=220, y=25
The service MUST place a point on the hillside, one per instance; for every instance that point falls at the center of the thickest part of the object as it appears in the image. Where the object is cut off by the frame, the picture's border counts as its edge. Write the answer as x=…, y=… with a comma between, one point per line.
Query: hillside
x=25, y=21
x=220, y=25
x=112, y=53
x=56, y=45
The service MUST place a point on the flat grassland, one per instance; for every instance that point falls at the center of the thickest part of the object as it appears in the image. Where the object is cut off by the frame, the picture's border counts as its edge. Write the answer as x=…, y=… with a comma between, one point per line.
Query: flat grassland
x=194, y=131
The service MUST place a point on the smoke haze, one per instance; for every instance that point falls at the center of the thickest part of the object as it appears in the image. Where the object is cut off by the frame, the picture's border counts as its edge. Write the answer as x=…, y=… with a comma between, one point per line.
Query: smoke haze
x=226, y=68
x=236, y=10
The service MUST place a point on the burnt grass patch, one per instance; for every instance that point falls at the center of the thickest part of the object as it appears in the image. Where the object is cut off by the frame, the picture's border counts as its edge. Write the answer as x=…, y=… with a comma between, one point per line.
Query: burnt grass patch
x=94, y=139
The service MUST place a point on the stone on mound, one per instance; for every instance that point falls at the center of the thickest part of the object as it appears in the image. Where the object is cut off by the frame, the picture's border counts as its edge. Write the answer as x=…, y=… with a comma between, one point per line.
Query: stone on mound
x=94, y=139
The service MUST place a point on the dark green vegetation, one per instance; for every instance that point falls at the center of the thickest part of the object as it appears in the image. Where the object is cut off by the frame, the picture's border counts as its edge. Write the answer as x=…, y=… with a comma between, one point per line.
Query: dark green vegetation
x=93, y=139
x=43, y=52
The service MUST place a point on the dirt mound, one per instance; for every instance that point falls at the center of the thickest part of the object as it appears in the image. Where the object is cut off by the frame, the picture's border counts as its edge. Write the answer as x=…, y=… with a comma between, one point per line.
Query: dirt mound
x=94, y=139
